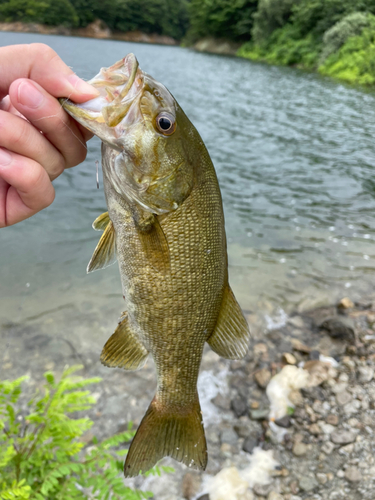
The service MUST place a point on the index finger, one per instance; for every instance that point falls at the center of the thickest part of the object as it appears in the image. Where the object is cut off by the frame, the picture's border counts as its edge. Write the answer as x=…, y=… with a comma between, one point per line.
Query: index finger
x=40, y=63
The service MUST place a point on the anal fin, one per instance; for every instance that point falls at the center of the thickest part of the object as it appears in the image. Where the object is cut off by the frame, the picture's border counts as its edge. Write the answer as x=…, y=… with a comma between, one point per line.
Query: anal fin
x=231, y=336
x=123, y=349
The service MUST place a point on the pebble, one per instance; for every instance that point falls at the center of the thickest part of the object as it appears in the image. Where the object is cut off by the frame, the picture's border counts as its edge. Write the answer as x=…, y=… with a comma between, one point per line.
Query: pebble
x=273, y=495
x=332, y=419
x=262, y=490
x=284, y=421
x=339, y=327
x=299, y=449
x=328, y=448
x=260, y=414
x=365, y=374
x=229, y=436
x=343, y=437
x=353, y=475
x=307, y=483
x=345, y=303
x=321, y=478
x=262, y=377
x=314, y=429
x=289, y=358
x=249, y=444
x=343, y=398
x=239, y=407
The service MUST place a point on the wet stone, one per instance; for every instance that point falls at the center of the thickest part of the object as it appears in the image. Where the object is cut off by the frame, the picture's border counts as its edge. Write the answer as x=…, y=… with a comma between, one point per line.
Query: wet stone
x=343, y=437
x=314, y=355
x=222, y=402
x=339, y=327
x=262, y=490
x=204, y=497
x=239, y=407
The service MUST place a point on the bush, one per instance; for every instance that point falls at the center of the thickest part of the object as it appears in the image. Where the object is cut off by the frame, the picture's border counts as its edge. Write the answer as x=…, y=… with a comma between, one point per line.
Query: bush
x=41, y=451
x=351, y=25
x=354, y=62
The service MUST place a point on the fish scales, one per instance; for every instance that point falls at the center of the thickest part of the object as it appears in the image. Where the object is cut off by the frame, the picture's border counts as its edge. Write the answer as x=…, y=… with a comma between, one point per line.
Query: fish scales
x=165, y=225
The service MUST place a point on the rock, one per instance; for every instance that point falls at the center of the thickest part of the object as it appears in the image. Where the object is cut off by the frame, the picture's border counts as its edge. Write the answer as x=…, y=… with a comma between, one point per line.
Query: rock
x=296, y=397
x=328, y=448
x=319, y=372
x=250, y=443
x=314, y=429
x=299, y=449
x=260, y=414
x=229, y=436
x=272, y=495
x=239, y=407
x=222, y=402
x=353, y=475
x=332, y=419
x=321, y=478
x=343, y=398
x=307, y=483
x=204, y=497
x=339, y=327
x=365, y=374
x=284, y=421
x=262, y=490
x=289, y=358
x=314, y=355
x=190, y=485
x=345, y=303
x=262, y=377
x=343, y=437
x=298, y=346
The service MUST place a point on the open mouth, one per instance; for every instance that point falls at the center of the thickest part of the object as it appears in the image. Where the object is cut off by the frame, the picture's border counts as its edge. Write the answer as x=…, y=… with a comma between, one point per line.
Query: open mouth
x=119, y=86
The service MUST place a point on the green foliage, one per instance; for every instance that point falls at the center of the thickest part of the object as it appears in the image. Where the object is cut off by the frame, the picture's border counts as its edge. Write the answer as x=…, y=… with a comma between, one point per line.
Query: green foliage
x=271, y=15
x=351, y=25
x=232, y=19
x=354, y=62
x=285, y=47
x=42, y=454
x=318, y=16
x=52, y=12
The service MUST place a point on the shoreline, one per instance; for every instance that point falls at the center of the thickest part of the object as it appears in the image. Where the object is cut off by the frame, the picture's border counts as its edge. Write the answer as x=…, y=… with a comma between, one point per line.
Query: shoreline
x=98, y=29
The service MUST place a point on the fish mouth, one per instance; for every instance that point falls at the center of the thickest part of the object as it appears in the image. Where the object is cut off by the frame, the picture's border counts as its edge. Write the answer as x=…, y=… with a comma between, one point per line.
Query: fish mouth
x=116, y=108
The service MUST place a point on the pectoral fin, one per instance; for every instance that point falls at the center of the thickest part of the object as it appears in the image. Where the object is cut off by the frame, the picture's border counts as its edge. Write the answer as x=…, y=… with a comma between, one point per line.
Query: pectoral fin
x=153, y=239
x=231, y=336
x=105, y=252
x=123, y=349
x=101, y=222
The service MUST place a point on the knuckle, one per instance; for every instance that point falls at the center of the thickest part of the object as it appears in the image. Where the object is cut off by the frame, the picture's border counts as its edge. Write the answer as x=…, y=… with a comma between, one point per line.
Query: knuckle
x=41, y=50
x=48, y=198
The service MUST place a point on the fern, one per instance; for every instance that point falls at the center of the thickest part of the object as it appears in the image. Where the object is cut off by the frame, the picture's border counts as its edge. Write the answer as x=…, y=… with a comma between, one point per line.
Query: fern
x=42, y=455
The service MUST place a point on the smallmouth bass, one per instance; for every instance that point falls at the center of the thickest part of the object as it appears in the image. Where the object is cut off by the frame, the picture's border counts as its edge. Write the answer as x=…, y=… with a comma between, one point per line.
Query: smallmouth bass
x=165, y=225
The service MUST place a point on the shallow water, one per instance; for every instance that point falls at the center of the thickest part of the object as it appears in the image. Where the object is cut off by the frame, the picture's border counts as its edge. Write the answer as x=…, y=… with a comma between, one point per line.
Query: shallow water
x=294, y=153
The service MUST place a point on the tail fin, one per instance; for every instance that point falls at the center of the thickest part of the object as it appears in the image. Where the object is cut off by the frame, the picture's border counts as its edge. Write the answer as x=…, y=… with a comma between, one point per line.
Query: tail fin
x=177, y=433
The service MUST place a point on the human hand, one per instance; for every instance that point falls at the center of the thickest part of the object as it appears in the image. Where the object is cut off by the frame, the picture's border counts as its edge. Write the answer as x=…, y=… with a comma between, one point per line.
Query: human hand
x=38, y=140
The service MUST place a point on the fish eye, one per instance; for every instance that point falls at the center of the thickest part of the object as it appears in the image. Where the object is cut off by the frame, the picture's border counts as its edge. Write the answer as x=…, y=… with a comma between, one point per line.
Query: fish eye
x=165, y=123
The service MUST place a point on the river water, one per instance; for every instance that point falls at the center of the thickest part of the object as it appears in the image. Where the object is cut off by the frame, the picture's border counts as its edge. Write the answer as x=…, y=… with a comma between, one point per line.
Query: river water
x=294, y=154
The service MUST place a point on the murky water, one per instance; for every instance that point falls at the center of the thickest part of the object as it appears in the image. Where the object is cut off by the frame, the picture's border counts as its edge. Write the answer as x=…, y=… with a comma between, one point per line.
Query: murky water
x=295, y=157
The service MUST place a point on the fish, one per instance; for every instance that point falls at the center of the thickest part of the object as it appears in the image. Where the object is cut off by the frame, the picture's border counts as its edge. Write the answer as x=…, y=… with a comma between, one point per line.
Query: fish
x=165, y=226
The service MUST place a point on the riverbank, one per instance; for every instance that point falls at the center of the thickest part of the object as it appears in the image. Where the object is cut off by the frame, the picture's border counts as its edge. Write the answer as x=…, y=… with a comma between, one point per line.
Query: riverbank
x=322, y=448
x=97, y=29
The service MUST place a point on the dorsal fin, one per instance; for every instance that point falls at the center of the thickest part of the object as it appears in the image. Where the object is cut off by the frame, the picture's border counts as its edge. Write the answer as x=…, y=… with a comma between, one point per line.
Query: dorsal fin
x=105, y=252
x=231, y=336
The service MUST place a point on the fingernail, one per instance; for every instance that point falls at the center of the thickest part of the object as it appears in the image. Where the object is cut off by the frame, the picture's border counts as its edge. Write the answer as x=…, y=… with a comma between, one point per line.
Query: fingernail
x=29, y=96
x=5, y=157
x=81, y=86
